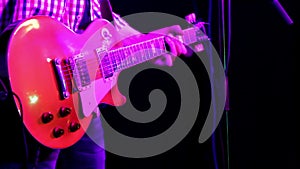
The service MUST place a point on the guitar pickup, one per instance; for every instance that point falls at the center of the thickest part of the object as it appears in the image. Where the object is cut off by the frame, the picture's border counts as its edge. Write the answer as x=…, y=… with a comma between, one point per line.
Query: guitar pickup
x=106, y=63
x=80, y=73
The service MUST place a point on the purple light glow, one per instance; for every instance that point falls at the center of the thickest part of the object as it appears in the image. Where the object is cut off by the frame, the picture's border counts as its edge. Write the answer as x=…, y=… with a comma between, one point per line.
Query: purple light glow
x=283, y=13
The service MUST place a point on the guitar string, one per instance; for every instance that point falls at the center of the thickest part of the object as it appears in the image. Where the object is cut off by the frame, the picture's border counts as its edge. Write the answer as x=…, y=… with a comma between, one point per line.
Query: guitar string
x=131, y=51
x=121, y=63
x=112, y=68
x=68, y=71
x=160, y=40
x=117, y=61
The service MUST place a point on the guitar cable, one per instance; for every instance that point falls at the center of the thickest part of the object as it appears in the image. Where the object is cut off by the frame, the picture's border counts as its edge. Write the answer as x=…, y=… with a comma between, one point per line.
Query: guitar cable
x=4, y=94
x=23, y=130
x=224, y=29
x=225, y=47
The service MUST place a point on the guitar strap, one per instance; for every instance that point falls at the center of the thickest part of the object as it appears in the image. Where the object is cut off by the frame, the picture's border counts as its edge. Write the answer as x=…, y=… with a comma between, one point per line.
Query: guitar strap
x=86, y=18
x=106, y=11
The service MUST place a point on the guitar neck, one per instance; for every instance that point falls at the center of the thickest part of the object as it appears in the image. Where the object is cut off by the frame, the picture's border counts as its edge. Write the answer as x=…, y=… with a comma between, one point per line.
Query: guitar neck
x=125, y=57
x=128, y=56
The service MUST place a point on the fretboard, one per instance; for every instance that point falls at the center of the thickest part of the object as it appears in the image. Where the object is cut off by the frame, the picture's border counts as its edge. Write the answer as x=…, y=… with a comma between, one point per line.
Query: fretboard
x=125, y=57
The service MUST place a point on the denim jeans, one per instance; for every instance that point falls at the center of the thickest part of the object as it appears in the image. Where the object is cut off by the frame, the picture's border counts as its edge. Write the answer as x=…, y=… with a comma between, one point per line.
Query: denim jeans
x=85, y=154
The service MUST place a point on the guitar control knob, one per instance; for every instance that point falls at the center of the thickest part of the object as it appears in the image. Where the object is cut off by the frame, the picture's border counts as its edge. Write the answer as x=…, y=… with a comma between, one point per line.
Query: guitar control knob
x=74, y=126
x=47, y=117
x=58, y=132
x=64, y=111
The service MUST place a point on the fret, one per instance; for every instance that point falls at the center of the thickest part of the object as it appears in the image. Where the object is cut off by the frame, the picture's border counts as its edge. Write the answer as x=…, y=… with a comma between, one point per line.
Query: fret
x=124, y=52
x=151, y=49
x=127, y=54
x=106, y=66
x=113, y=60
x=118, y=62
x=130, y=56
x=105, y=62
x=133, y=55
x=142, y=52
x=186, y=37
x=158, y=47
x=148, y=50
x=139, y=53
x=193, y=35
x=189, y=36
x=136, y=53
x=99, y=53
x=161, y=45
x=121, y=54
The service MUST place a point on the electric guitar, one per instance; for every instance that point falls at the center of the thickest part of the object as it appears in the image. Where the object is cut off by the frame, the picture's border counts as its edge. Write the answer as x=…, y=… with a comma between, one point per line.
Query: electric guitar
x=60, y=77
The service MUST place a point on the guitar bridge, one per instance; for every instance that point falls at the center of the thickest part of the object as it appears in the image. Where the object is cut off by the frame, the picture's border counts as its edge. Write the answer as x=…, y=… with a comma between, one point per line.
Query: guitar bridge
x=62, y=85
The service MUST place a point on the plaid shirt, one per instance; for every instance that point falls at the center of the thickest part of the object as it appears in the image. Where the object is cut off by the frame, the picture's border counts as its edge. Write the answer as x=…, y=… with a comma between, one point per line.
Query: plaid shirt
x=69, y=12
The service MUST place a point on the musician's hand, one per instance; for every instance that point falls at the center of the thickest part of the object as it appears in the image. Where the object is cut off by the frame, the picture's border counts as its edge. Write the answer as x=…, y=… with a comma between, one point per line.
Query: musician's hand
x=176, y=48
x=173, y=39
x=172, y=35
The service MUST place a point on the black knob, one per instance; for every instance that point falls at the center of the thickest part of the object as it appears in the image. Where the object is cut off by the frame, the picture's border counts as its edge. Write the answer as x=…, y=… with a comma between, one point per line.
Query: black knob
x=74, y=126
x=58, y=132
x=64, y=111
x=47, y=117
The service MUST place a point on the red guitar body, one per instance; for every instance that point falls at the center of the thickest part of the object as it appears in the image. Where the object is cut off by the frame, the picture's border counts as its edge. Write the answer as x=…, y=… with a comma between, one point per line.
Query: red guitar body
x=52, y=105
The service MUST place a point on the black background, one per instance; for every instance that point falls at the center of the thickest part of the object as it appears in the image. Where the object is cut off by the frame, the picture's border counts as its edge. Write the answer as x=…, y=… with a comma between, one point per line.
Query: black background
x=263, y=117
x=262, y=121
